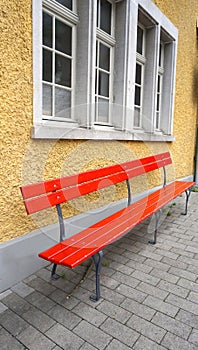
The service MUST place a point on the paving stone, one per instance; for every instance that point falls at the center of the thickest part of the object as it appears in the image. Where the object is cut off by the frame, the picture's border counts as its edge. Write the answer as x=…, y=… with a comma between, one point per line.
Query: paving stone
x=38, y=319
x=168, y=254
x=178, y=328
x=183, y=304
x=154, y=291
x=182, y=252
x=2, y=308
x=150, y=255
x=114, y=311
x=117, y=345
x=192, y=286
x=93, y=335
x=34, y=340
x=193, y=297
x=162, y=306
x=12, y=322
x=87, y=346
x=112, y=296
x=134, y=265
x=5, y=294
x=188, y=318
x=174, y=263
x=8, y=342
x=16, y=303
x=90, y=314
x=144, y=343
x=42, y=286
x=131, y=293
x=31, y=277
x=128, y=280
x=22, y=289
x=183, y=273
x=144, y=277
x=127, y=270
x=59, y=297
x=137, y=258
x=83, y=295
x=109, y=282
x=119, y=258
x=40, y=301
x=194, y=337
x=174, y=289
x=63, y=337
x=173, y=342
x=189, y=261
x=67, y=318
x=146, y=328
x=120, y=332
x=166, y=276
x=157, y=264
x=138, y=309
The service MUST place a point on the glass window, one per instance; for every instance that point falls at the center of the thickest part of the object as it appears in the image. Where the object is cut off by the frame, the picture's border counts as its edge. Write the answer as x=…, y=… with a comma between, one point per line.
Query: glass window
x=66, y=3
x=140, y=35
x=105, y=16
x=57, y=66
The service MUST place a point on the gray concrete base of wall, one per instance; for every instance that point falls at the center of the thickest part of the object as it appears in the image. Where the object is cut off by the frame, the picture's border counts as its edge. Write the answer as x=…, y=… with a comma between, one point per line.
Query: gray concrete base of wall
x=19, y=257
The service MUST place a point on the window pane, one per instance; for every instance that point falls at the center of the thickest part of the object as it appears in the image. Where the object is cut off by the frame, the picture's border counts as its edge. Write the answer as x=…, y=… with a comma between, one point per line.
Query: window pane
x=104, y=62
x=97, y=53
x=103, y=111
x=63, y=38
x=63, y=71
x=157, y=120
x=66, y=3
x=137, y=117
x=138, y=77
x=158, y=83
x=47, y=100
x=137, y=95
x=158, y=102
x=62, y=103
x=140, y=40
x=47, y=30
x=47, y=65
x=160, y=56
x=105, y=16
x=103, y=86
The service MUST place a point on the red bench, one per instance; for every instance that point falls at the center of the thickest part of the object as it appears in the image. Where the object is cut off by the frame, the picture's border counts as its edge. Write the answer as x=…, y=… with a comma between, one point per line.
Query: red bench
x=91, y=241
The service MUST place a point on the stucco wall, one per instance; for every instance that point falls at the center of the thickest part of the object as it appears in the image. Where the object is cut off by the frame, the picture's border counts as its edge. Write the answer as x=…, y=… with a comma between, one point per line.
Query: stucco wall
x=25, y=160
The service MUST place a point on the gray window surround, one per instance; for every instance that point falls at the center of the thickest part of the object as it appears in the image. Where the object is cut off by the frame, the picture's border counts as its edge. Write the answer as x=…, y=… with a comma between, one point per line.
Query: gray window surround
x=128, y=13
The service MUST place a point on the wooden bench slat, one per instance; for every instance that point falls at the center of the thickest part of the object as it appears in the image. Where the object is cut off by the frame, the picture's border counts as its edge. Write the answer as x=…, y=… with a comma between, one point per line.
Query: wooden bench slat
x=34, y=190
x=126, y=171
x=71, y=253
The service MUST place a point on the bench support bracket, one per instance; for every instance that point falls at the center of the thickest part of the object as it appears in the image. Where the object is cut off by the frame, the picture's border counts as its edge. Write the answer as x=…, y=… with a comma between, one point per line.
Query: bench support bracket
x=188, y=192
x=157, y=218
x=98, y=262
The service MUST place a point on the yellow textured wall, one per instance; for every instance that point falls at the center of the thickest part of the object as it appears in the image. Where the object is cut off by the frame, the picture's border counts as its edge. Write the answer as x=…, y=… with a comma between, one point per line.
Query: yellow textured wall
x=183, y=14
x=24, y=160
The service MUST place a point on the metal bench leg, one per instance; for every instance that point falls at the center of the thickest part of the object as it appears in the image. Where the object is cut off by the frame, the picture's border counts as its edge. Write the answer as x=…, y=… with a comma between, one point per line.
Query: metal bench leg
x=157, y=217
x=54, y=275
x=97, y=261
x=188, y=192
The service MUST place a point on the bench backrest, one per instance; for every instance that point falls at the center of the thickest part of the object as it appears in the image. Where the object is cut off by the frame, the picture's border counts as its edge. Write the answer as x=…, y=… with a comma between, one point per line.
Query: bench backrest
x=50, y=193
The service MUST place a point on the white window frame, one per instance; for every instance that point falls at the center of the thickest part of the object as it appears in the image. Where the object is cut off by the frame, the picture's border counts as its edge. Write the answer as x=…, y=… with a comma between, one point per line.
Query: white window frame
x=72, y=58
x=82, y=125
x=160, y=92
x=109, y=41
x=140, y=60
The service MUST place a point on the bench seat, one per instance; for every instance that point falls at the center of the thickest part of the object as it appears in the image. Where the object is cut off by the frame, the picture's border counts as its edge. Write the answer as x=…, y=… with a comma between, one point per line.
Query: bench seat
x=73, y=251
